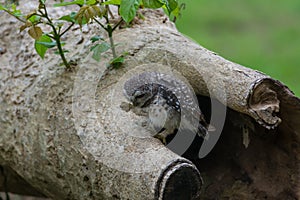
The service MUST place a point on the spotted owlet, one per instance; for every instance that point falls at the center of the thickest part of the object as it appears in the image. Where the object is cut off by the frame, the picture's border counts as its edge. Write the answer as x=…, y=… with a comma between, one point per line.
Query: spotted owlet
x=170, y=104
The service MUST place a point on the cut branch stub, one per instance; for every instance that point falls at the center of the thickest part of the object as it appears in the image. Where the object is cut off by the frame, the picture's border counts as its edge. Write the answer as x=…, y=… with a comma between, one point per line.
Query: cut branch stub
x=264, y=103
x=179, y=181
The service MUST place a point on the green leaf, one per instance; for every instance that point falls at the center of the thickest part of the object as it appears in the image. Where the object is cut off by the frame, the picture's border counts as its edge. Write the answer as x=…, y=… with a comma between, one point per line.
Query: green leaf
x=173, y=8
x=99, y=49
x=41, y=49
x=116, y=60
x=154, y=4
x=112, y=2
x=2, y=7
x=47, y=44
x=15, y=12
x=69, y=18
x=96, y=38
x=173, y=4
x=65, y=51
x=34, y=18
x=72, y=18
x=128, y=9
x=12, y=10
x=176, y=12
x=77, y=2
x=91, y=2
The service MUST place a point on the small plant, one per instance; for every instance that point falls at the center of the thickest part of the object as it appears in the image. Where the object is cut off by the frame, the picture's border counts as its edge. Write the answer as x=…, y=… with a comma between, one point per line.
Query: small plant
x=43, y=41
x=89, y=10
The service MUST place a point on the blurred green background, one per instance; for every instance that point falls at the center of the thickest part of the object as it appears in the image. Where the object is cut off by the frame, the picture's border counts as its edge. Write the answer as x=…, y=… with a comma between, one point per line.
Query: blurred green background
x=263, y=35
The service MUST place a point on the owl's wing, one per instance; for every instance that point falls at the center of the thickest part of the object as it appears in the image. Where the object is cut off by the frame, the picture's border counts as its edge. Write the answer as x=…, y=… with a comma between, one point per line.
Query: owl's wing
x=202, y=131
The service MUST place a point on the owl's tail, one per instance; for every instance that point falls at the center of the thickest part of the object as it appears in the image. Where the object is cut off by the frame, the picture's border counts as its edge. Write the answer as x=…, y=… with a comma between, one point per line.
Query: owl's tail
x=204, y=129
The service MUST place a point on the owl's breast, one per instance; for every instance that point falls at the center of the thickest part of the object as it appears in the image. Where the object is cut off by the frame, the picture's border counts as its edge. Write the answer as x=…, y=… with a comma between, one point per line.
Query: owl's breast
x=163, y=116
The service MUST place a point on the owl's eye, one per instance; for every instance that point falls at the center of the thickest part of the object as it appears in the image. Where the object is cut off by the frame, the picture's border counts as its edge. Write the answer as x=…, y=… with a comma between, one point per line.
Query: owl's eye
x=140, y=96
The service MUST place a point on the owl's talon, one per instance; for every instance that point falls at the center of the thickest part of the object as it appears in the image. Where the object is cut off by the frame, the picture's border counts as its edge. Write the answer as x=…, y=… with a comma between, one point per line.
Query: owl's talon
x=161, y=138
x=126, y=106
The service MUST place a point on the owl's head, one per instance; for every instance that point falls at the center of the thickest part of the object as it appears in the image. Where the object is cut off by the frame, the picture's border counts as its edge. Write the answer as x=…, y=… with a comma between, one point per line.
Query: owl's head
x=138, y=89
x=142, y=96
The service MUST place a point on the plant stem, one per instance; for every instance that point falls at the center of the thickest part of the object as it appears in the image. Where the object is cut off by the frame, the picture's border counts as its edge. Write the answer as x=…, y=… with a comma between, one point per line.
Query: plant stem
x=116, y=26
x=56, y=37
x=110, y=31
x=109, y=12
x=99, y=23
x=67, y=29
x=18, y=18
x=61, y=52
x=112, y=45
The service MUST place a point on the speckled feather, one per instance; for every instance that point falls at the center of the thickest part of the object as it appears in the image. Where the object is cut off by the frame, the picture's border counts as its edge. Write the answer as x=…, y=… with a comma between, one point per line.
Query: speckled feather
x=177, y=95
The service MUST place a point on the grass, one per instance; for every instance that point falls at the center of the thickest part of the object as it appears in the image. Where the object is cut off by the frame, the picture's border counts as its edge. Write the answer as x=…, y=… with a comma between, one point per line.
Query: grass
x=263, y=35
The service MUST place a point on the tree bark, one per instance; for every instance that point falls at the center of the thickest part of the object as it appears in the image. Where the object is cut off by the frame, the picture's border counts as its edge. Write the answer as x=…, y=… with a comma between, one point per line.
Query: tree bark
x=67, y=135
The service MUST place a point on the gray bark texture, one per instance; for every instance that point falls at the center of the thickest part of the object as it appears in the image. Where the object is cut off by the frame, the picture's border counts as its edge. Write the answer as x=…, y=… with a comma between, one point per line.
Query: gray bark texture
x=65, y=134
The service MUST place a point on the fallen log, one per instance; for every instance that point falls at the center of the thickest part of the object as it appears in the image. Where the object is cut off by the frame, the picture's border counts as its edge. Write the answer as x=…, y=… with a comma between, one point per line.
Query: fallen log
x=68, y=136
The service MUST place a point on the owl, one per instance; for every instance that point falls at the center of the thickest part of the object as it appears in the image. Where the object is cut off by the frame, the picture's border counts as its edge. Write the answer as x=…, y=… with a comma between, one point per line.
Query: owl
x=169, y=102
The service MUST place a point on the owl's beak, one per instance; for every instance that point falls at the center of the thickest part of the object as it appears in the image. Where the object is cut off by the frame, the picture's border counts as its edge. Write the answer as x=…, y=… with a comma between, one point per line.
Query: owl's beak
x=132, y=99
